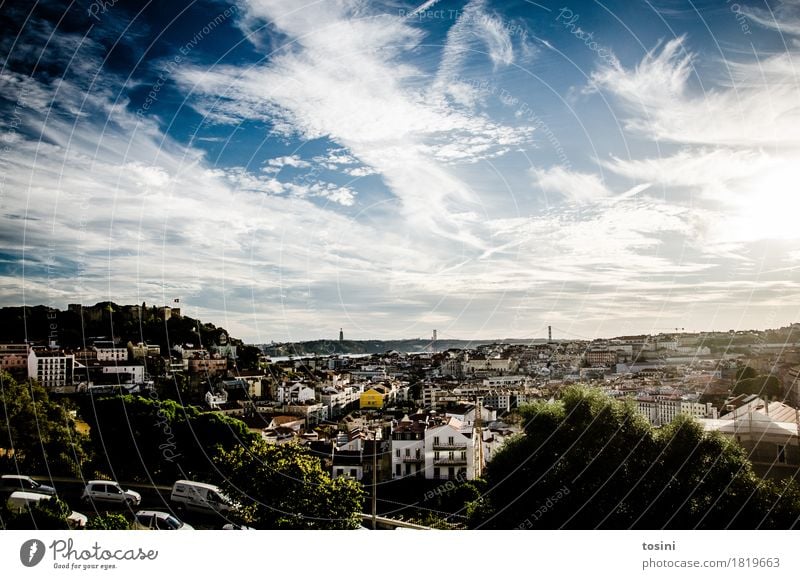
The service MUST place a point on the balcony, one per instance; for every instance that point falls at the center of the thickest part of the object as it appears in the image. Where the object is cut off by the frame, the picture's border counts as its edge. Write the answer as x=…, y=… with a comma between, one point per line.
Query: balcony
x=448, y=446
x=450, y=461
x=413, y=459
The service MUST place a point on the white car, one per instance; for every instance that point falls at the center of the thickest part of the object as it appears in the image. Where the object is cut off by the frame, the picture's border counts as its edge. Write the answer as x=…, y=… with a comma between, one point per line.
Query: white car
x=13, y=482
x=159, y=520
x=107, y=491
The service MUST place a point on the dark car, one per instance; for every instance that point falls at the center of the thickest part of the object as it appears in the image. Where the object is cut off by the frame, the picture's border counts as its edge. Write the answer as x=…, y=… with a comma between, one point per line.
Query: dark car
x=10, y=483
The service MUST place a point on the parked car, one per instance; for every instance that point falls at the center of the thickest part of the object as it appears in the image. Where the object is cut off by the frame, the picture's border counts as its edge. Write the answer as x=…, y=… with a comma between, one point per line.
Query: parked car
x=13, y=482
x=201, y=497
x=20, y=501
x=159, y=520
x=107, y=491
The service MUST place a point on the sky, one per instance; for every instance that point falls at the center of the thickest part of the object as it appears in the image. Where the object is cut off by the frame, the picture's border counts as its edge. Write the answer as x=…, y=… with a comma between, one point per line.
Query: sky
x=287, y=168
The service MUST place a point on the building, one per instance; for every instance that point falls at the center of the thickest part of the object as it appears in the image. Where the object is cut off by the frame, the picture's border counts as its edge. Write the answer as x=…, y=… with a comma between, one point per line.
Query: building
x=769, y=434
x=600, y=357
x=371, y=399
x=125, y=373
x=53, y=369
x=408, y=448
x=208, y=367
x=14, y=359
x=297, y=393
x=108, y=352
x=434, y=447
x=660, y=411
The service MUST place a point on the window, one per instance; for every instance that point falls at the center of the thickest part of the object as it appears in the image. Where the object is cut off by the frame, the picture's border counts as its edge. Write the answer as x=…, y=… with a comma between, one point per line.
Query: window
x=450, y=455
x=353, y=473
x=435, y=440
x=436, y=472
x=436, y=455
x=397, y=468
x=339, y=471
x=450, y=440
x=782, y=453
x=408, y=452
x=397, y=453
x=464, y=455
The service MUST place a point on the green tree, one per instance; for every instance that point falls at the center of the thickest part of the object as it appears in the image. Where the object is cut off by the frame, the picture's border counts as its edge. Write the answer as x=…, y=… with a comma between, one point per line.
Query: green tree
x=147, y=438
x=284, y=487
x=589, y=462
x=765, y=385
x=108, y=522
x=50, y=514
x=38, y=434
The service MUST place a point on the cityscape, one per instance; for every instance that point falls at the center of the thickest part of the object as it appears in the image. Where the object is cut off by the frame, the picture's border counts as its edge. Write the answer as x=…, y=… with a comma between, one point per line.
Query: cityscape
x=431, y=437
x=451, y=265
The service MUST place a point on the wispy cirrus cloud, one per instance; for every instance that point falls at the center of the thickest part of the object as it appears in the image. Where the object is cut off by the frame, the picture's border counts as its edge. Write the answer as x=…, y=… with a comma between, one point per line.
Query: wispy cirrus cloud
x=342, y=77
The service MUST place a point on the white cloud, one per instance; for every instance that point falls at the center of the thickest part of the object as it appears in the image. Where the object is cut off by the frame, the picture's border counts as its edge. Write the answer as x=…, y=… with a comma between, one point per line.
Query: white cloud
x=366, y=99
x=574, y=186
x=659, y=102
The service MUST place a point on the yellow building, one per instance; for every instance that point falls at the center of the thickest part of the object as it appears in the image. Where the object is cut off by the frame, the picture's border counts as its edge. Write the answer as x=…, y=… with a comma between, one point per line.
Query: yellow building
x=371, y=400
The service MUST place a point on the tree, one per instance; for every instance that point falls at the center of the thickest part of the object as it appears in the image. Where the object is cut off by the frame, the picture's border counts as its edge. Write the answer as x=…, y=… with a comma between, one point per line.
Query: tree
x=589, y=462
x=38, y=434
x=50, y=514
x=108, y=522
x=765, y=385
x=147, y=438
x=284, y=487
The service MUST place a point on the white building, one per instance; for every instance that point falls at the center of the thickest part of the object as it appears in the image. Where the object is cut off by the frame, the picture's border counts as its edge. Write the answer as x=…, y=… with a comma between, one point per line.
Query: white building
x=297, y=393
x=659, y=411
x=434, y=448
x=109, y=353
x=51, y=368
x=135, y=372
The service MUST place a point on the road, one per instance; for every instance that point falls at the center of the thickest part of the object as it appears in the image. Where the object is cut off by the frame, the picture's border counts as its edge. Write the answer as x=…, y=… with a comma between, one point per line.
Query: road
x=154, y=497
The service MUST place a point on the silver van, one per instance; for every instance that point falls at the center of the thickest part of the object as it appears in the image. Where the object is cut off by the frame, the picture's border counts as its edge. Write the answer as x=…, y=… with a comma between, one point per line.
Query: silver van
x=200, y=497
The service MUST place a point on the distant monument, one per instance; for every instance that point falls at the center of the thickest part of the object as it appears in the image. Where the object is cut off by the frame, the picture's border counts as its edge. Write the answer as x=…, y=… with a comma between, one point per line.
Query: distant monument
x=341, y=335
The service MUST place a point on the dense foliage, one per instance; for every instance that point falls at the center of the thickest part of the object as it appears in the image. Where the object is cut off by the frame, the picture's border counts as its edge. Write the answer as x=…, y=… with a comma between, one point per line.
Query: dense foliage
x=149, y=439
x=38, y=434
x=285, y=487
x=590, y=462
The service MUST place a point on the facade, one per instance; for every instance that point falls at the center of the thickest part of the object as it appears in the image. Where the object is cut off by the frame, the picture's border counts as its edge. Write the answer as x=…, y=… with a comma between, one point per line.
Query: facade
x=371, y=399
x=600, y=357
x=663, y=411
x=14, y=358
x=208, y=366
x=133, y=373
x=109, y=353
x=434, y=448
x=51, y=368
x=769, y=434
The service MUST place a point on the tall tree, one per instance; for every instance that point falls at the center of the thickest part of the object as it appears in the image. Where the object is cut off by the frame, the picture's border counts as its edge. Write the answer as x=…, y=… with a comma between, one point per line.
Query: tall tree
x=589, y=462
x=284, y=487
x=38, y=434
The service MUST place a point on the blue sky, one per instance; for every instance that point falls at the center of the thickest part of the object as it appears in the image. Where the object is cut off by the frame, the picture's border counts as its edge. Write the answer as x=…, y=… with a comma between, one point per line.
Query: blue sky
x=482, y=168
